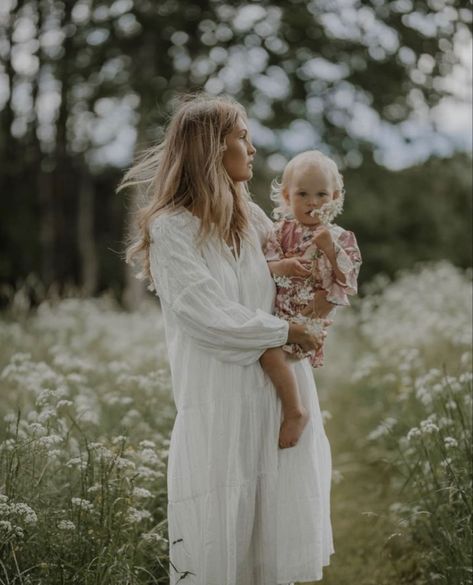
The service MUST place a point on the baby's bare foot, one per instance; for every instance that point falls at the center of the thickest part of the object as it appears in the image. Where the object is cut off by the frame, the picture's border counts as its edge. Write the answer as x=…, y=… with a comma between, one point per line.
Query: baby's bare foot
x=292, y=427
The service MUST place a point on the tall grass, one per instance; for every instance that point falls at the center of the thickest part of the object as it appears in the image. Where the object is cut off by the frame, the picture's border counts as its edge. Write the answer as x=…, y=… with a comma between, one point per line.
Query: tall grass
x=86, y=405
x=406, y=352
x=86, y=409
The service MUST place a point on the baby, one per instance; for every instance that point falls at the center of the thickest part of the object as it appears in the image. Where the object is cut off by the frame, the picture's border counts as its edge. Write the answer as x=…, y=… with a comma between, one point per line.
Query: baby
x=309, y=257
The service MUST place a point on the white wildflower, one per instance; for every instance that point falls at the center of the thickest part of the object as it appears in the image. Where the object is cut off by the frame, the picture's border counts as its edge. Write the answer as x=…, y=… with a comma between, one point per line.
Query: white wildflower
x=144, y=472
x=5, y=526
x=77, y=462
x=149, y=457
x=37, y=429
x=424, y=395
x=146, y=444
x=8, y=445
x=446, y=462
x=27, y=514
x=451, y=405
x=450, y=442
x=414, y=433
x=152, y=538
x=82, y=504
x=63, y=404
x=46, y=414
x=66, y=525
x=428, y=427
x=141, y=493
x=123, y=463
x=50, y=441
x=19, y=532
x=383, y=428
x=135, y=515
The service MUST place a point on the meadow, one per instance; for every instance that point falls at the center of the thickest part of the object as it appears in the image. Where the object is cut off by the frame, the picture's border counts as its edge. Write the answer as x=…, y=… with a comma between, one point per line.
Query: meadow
x=86, y=411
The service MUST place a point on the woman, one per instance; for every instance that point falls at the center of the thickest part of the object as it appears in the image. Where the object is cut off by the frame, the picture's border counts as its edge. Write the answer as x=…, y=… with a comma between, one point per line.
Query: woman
x=240, y=511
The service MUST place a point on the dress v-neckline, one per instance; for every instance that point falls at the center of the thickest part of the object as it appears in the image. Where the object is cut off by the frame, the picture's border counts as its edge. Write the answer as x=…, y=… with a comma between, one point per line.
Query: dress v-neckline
x=233, y=250
x=230, y=249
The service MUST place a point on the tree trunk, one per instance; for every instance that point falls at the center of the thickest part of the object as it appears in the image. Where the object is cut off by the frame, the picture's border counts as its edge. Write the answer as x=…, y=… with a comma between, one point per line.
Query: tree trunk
x=85, y=234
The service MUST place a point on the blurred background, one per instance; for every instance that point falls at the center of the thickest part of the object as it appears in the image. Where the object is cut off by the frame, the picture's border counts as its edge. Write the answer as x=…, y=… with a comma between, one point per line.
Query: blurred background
x=383, y=87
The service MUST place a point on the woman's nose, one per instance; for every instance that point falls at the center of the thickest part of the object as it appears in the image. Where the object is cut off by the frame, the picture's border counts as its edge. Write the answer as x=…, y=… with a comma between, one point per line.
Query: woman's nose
x=251, y=149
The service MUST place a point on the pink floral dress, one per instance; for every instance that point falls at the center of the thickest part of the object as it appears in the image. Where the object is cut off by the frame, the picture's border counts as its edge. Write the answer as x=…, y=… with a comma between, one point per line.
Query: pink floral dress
x=292, y=239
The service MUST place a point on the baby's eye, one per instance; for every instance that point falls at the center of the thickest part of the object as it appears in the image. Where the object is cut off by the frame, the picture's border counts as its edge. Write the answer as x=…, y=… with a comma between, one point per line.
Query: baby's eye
x=322, y=193
x=302, y=193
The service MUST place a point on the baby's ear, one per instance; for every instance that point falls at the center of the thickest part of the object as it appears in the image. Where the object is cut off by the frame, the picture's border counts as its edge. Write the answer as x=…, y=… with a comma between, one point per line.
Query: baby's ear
x=336, y=194
x=285, y=194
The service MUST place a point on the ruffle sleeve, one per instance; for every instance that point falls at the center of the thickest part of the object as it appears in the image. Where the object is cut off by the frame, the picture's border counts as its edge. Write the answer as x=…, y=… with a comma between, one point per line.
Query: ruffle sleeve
x=183, y=281
x=272, y=249
x=349, y=262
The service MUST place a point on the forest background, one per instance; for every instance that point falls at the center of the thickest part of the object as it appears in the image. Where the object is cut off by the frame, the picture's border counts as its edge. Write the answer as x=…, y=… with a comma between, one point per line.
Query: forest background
x=383, y=87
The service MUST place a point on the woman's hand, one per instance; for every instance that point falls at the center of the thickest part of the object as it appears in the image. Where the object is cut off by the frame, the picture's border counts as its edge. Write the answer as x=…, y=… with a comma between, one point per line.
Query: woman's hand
x=290, y=267
x=299, y=334
x=320, y=307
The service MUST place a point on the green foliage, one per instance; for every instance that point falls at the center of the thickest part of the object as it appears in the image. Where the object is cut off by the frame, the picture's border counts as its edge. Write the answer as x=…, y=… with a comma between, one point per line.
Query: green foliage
x=114, y=68
x=403, y=364
x=83, y=450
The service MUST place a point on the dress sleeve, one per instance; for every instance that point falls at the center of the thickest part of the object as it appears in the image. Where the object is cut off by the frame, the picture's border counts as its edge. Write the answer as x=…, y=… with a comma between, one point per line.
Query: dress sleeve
x=227, y=329
x=349, y=262
x=261, y=222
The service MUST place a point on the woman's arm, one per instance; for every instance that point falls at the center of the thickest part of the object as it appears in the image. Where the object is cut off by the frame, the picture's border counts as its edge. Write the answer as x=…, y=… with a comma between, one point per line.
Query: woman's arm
x=183, y=281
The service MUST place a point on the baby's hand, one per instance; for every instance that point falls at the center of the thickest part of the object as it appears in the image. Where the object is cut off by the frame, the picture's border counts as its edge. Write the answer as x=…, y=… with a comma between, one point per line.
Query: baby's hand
x=291, y=267
x=323, y=239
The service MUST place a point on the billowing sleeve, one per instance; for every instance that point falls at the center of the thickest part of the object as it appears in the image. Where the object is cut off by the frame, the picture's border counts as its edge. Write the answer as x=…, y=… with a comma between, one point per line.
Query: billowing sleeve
x=349, y=262
x=227, y=329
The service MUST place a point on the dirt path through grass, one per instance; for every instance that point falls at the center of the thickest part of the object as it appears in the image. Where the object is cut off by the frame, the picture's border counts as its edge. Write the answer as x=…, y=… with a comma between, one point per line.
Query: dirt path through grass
x=360, y=500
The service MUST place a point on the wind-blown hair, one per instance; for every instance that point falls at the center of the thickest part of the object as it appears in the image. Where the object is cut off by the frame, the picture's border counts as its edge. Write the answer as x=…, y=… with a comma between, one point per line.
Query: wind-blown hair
x=318, y=159
x=186, y=170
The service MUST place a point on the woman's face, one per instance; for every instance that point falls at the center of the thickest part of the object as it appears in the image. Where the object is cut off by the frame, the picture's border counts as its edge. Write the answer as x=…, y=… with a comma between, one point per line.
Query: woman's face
x=239, y=154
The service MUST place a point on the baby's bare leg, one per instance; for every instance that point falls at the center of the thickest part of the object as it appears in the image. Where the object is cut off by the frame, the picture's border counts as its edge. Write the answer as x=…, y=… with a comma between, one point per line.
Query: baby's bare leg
x=295, y=416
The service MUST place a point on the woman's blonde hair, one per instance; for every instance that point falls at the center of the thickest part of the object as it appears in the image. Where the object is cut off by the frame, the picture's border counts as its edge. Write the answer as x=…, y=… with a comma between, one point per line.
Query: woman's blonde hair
x=186, y=170
x=316, y=158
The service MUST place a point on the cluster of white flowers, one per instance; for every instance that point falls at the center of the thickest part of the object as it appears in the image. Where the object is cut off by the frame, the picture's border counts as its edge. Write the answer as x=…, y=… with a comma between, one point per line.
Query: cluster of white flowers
x=82, y=504
x=86, y=370
x=384, y=428
x=15, y=518
x=135, y=515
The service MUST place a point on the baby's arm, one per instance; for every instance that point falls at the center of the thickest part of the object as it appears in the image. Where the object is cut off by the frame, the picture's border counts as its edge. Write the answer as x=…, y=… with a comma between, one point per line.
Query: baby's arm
x=290, y=267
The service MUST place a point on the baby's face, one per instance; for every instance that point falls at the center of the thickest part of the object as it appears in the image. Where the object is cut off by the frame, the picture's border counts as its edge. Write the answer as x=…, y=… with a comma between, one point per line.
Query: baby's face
x=309, y=188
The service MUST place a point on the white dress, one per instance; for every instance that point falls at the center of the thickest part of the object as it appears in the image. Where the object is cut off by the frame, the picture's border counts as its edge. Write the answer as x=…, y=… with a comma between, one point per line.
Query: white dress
x=240, y=510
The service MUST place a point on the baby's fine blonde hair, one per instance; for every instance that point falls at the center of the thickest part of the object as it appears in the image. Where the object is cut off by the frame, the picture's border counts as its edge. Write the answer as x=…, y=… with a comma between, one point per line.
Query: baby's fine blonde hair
x=313, y=157
x=186, y=171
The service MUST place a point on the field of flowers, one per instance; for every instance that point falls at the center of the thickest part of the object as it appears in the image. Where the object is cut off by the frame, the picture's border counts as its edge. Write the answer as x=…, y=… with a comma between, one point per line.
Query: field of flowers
x=400, y=401
x=86, y=410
